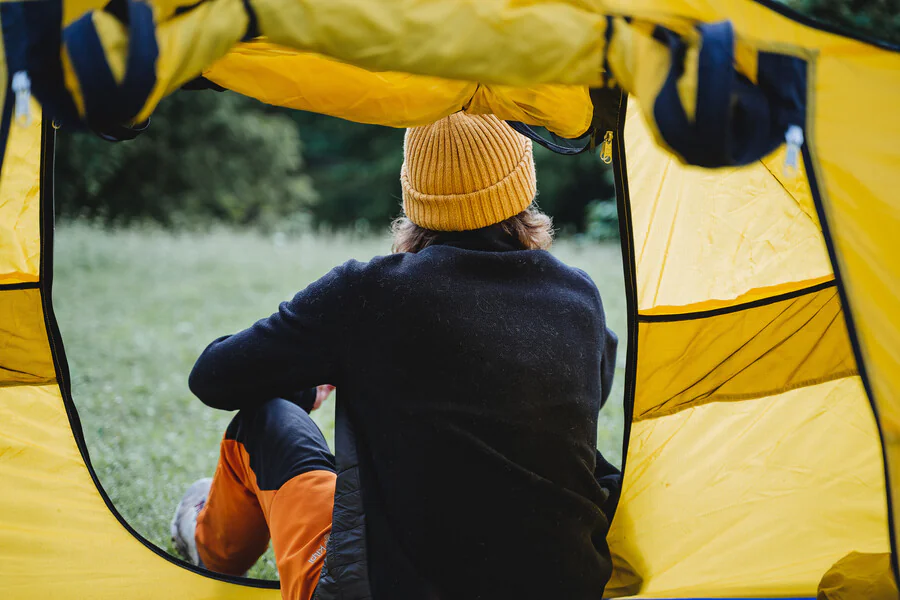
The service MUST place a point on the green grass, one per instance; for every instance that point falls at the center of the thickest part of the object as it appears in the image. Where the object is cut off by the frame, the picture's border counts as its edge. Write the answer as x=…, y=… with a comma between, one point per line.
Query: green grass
x=136, y=307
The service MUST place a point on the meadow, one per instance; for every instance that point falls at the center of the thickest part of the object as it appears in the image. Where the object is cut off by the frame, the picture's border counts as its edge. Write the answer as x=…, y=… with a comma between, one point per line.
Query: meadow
x=136, y=306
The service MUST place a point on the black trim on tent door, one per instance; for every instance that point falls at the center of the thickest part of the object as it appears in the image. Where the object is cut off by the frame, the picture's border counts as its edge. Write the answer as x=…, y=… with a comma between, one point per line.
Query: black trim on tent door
x=623, y=203
x=725, y=310
x=62, y=367
x=27, y=285
x=812, y=177
x=558, y=144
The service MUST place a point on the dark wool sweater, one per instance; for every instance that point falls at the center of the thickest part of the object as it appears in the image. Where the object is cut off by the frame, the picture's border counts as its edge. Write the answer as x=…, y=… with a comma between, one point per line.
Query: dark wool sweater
x=472, y=373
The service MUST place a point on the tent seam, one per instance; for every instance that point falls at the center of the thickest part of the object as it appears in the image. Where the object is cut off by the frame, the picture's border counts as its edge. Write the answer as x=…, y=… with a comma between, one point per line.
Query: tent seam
x=654, y=414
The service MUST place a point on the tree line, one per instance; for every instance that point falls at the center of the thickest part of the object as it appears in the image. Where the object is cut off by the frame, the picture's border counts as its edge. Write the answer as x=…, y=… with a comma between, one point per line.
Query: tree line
x=221, y=157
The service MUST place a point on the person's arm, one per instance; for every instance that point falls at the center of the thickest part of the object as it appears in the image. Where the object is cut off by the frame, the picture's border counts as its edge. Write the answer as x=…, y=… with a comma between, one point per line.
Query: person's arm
x=295, y=349
x=607, y=363
x=609, y=341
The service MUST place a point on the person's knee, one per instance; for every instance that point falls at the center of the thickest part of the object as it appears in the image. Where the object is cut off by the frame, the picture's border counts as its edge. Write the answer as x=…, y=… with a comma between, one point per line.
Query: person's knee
x=281, y=440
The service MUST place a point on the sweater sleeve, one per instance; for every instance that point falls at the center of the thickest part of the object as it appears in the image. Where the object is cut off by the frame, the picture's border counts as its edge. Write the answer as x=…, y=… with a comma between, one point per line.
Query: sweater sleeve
x=609, y=342
x=297, y=348
x=608, y=364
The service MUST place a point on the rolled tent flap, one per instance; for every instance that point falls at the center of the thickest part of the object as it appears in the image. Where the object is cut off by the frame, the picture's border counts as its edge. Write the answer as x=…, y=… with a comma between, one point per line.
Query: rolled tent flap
x=711, y=98
x=753, y=463
x=284, y=77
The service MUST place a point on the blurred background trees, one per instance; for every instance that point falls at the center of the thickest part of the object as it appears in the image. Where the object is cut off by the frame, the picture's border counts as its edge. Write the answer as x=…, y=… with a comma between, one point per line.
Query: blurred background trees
x=268, y=167
x=879, y=19
x=271, y=167
x=206, y=156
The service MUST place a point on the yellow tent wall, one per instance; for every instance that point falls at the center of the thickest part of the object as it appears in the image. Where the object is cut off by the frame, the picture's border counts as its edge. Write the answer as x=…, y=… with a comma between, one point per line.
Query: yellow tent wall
x=851, y=146
x=753, y=463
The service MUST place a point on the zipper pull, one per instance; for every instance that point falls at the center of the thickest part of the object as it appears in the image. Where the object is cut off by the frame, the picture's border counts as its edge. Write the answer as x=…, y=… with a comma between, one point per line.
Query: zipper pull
x=793, y=138
x=21, y=87
x=606, y=148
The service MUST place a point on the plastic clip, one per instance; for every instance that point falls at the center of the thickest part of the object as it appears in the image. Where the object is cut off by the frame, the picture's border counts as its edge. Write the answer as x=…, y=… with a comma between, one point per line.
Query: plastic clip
x=21, y=87
x=793, y=138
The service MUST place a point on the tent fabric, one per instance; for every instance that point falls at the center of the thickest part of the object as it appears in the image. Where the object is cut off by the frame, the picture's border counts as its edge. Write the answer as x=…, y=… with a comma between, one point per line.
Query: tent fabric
x=859, y=575
x=312, y=82
x=751, y=220
x=760, y=507
x=757, y=352
x=753, y=460
x=851, y=150
x=858, y=195
x=20, y=257
x=26, y=360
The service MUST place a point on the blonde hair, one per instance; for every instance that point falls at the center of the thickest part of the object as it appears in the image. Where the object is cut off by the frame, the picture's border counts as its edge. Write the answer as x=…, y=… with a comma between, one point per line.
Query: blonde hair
x=531, y=228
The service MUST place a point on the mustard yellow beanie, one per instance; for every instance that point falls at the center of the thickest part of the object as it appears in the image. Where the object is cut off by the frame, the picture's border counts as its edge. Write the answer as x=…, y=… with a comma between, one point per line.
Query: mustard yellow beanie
x=466, y=172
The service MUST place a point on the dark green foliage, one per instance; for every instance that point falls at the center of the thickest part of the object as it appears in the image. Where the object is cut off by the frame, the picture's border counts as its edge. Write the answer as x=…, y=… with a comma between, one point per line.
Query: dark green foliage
x=356, y=169
x=879, y=19
x=206, y=156
x=602, y=220
x=567, y=185
x=223, y=158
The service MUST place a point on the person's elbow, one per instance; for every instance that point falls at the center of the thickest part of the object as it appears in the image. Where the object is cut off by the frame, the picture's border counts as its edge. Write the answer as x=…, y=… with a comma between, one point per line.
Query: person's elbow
x=202, y=384
x=206, y=383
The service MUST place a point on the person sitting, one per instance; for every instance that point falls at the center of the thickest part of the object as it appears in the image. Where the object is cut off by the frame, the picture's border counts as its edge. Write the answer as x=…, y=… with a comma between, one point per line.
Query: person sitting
x=470, y=367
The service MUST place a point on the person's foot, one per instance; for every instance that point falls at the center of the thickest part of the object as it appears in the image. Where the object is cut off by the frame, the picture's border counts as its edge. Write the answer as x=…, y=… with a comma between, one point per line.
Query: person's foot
x=184, y=524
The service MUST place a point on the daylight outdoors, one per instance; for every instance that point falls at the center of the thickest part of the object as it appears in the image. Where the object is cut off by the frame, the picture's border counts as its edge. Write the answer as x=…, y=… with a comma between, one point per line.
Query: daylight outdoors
x=225, y=208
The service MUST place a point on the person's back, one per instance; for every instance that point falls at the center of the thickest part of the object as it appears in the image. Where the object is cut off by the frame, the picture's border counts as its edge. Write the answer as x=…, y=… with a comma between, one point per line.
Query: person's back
x=475, y=391
x=470, y=367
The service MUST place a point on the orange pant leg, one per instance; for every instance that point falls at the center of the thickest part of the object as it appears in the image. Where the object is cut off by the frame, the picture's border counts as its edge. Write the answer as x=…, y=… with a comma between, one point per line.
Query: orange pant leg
x=299, y=517
x=232, y=532
x=234, y=527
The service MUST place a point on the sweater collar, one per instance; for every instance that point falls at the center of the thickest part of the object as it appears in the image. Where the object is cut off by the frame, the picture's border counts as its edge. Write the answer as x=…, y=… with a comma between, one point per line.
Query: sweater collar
x=487, y=239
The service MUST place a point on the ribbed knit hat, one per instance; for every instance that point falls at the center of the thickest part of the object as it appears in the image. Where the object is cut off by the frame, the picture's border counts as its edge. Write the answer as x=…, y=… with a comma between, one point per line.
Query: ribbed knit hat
x=466, y=172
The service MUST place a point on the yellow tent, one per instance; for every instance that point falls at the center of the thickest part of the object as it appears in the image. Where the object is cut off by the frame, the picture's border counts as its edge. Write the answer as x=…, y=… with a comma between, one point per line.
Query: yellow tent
x=764, y=337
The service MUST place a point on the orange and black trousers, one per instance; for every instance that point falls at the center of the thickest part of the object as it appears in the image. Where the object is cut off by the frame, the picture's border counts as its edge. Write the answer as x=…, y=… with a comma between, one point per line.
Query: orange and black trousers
x=275, y=479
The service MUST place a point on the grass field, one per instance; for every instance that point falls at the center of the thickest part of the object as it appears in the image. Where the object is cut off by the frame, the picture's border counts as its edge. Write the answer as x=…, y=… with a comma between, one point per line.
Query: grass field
x=136, y=307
